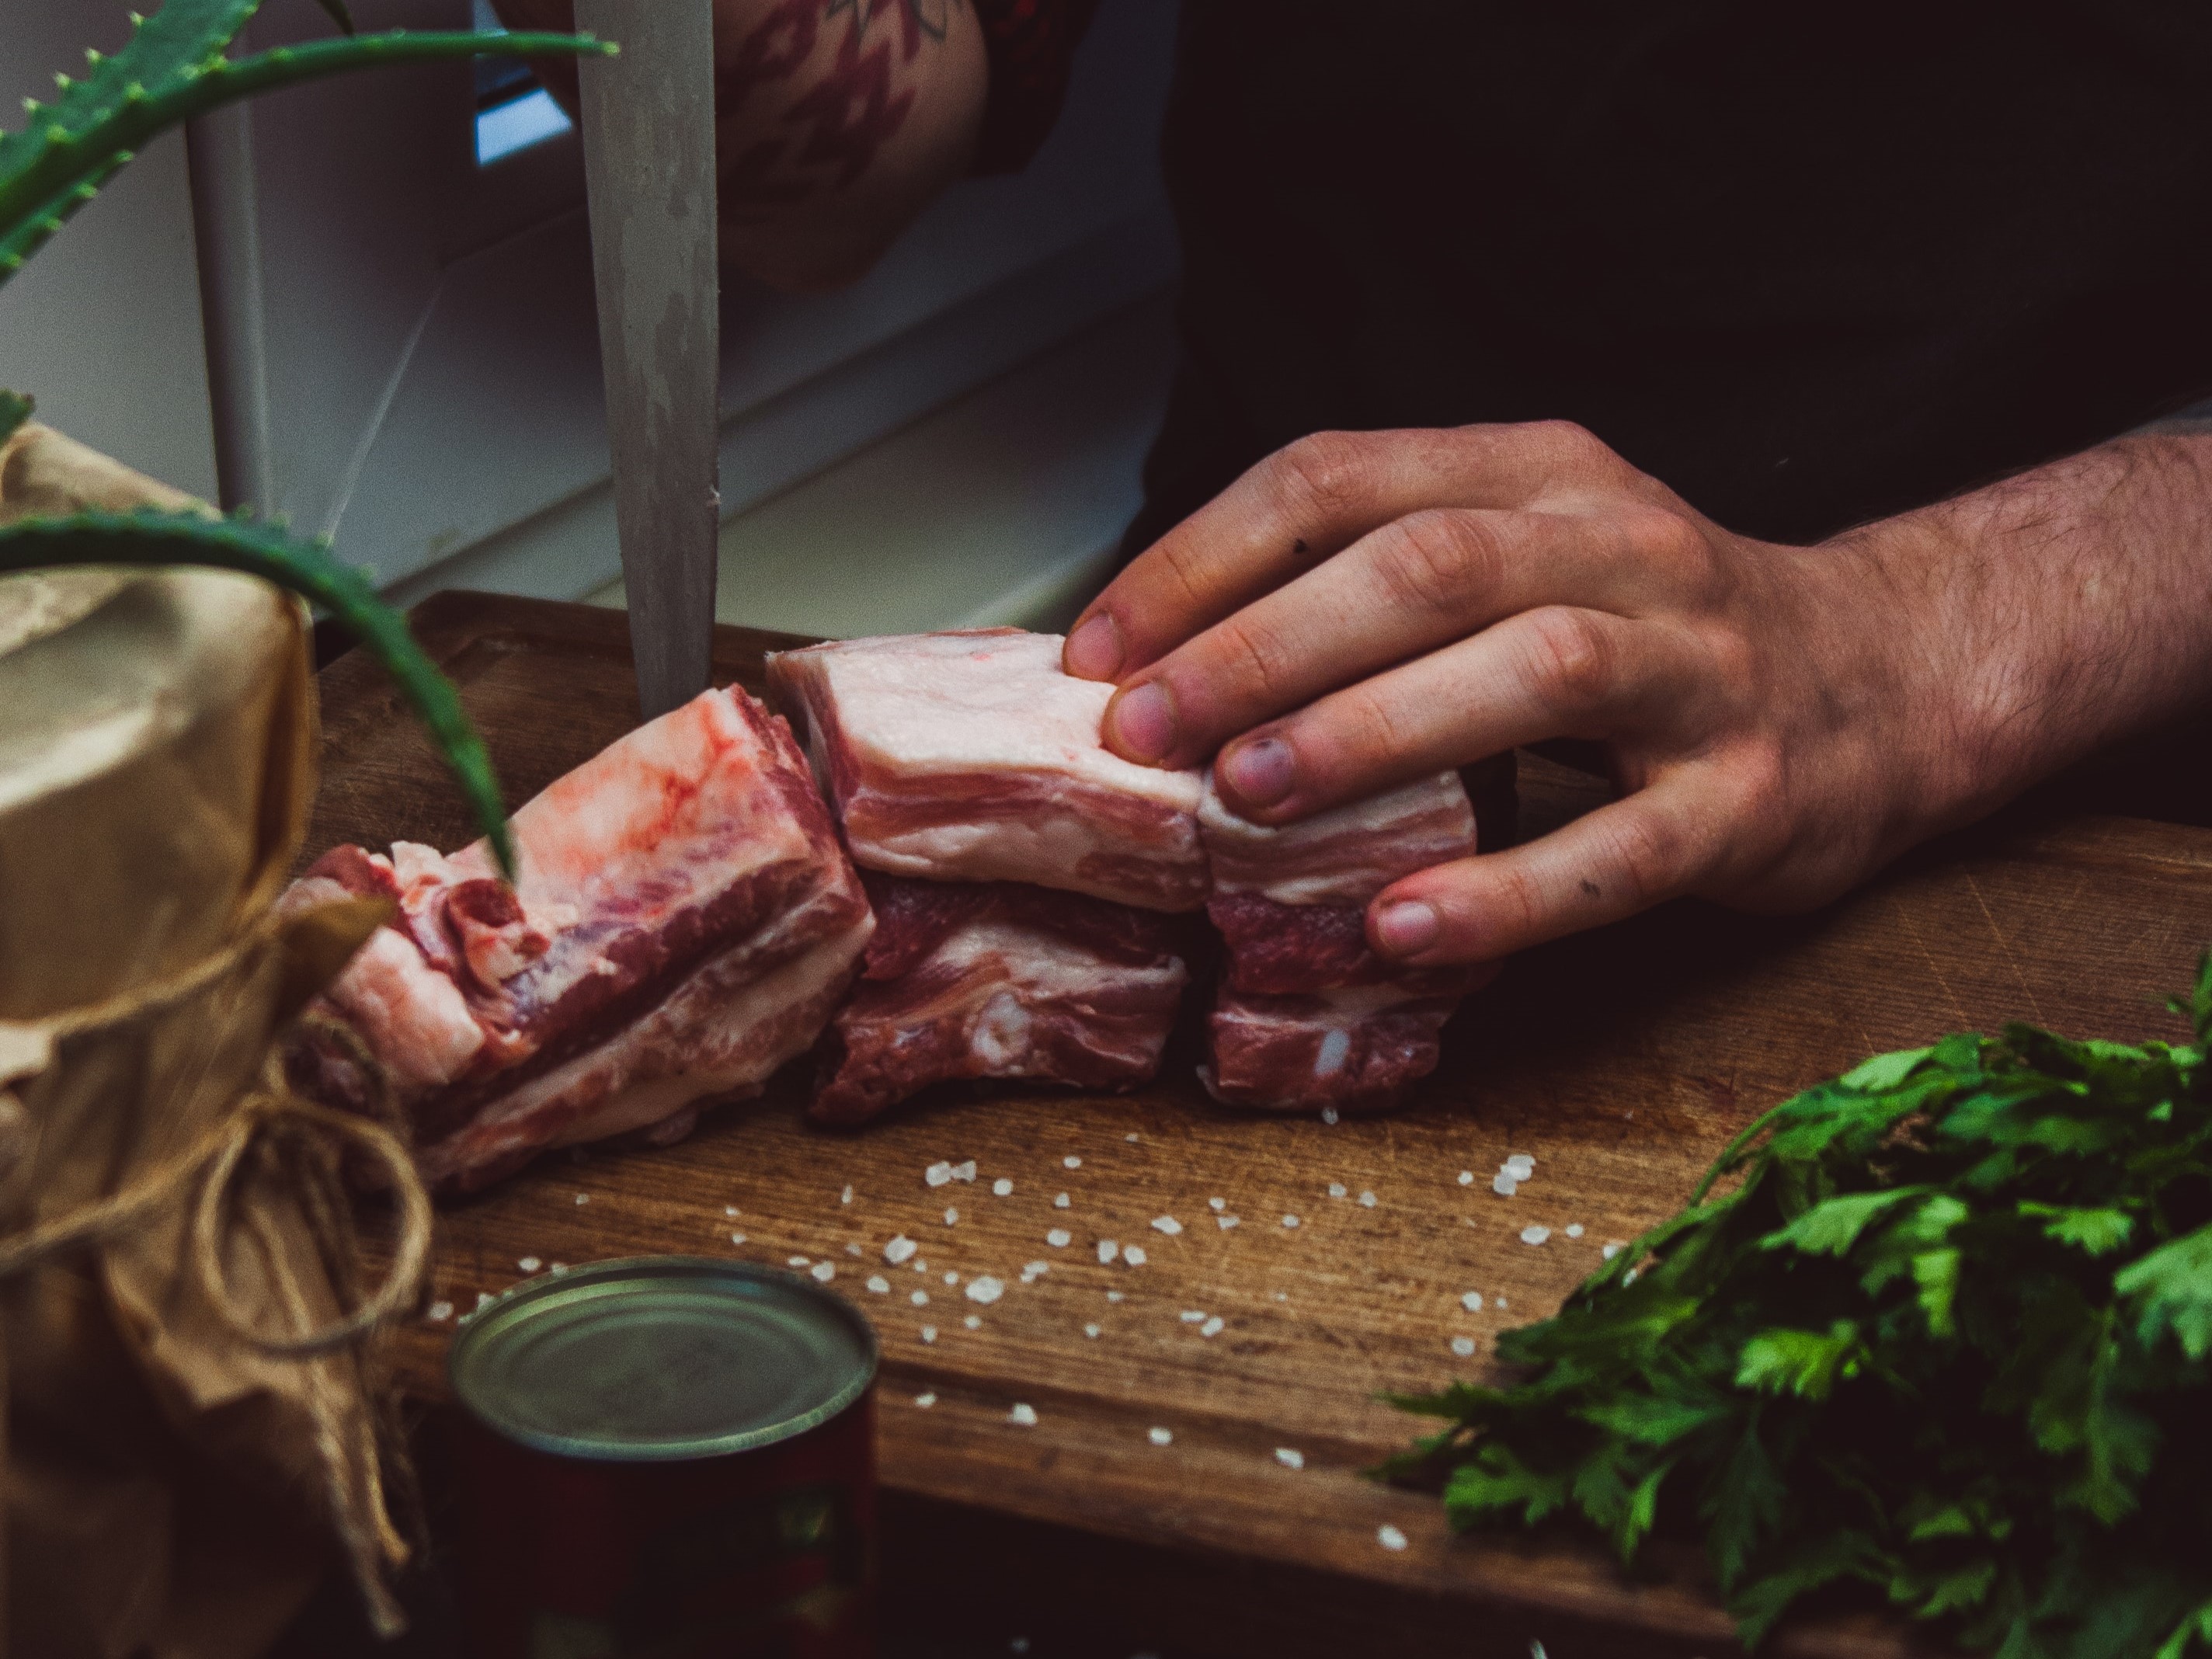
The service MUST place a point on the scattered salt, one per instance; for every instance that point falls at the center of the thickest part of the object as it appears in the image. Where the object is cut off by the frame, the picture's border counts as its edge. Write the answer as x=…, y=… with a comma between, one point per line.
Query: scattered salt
x=1060, y=1238
x=846, y=1197
x=1472, y=1301
x=1070, y=1162
x=1467, y=1177
x=901, y=1248
x=974, y=1322
x=1610, y=1251
x=586, y=1198
x=1290, y=1458
x=1463, y=1346
x=1329, y=1115
x=1367, y=1201
x=924, y=1400
x=1225, y=1222
x=964, y=1171
x=952, y=1278
x=1059, y=1200
x=986, y=1289
x=879, y=1285
x=1192, y=1315
x=1503, y=1184
x=737, y=1238
x=1160, y=1437
x=1002, y=1188
x=1107, y=1249
x=1115, y=1296
x=1090, y=1330
x=1023, y=1414
x=442, y=1311
x=798, y=1262
x=1217, y=1204
x=1133, y=1255
x=1390, y=1538
x=920, y=1265
x=951, y=1216
x=530, y=1264
x=1129, y=1137
x=852, y=1249
x=938, y=1173
x=1574, y=1230
x=1166, y=1223
x=1500, y=1304
x=484, y=1300
x=728, y=1209
x=824, y=1271
x=920, y=1298
x=1033, y=1271
x=1338, y=1189
x=929, y=1332
x=1520, y=1166
x=1534, y=1235
x=1212, y=1327
x=1290, y=1221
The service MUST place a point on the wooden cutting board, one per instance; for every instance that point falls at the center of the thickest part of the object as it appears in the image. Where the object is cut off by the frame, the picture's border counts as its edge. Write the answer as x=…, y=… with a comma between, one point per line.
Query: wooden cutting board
x=1621, y=1062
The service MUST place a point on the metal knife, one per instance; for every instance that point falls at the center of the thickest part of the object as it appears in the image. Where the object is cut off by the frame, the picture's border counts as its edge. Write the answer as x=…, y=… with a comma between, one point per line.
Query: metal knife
x=648, y=120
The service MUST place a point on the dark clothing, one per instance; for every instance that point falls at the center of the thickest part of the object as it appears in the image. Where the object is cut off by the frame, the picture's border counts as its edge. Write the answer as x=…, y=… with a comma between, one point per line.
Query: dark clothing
x=1808, y=273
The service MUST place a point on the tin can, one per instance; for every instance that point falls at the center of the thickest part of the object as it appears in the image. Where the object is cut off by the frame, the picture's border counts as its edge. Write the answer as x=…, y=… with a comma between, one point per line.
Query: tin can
x=670, y=1458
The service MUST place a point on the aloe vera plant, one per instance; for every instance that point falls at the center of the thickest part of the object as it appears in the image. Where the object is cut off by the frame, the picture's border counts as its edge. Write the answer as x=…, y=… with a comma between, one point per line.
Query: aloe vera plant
x=178, y=65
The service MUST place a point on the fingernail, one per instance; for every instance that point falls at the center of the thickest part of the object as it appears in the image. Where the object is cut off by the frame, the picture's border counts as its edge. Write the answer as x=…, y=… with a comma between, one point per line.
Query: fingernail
x=1144, y=720
x=1259, y=772
x=1094, y=650
x=1406, y=928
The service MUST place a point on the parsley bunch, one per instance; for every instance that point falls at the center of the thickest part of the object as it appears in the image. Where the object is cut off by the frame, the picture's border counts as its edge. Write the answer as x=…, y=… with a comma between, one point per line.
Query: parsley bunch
x=1946, y=1343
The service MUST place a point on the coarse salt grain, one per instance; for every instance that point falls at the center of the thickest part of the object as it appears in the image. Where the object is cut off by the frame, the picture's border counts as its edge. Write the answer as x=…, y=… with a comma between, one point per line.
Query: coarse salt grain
x=985, y=1288
x=1225, y=1222
x=1467, y=1177
x=938, y=1173
x=1090, y=1330
x=1212, y=1327
x=824, y=1271
x=1367, y=1201
x=920, y=1298
x=1520, y=1166
x=1192, y=1315
x=929, y=1332
x=1217, y=1204
x=530, y=1264
x=442, y=1311
x=1574, y=1230
x=586, y=1198
x=1472, y=1301
x=1503, y=1184
x=484, y=1300
x=737, y=1238
x=1463, y=1346
x=964, y=1171
x=846, y=1197
x=1534, y=1235
x=951, y=1217
x=1160, y=1437
x=1610, y=1251
x=798, y=1262
x=1290, y=1221
x=1002, y=1188
x=1500, y=1304
x=1024, y=1414
x=1070, y=1162
x=1060, y=1238
x=728, y=1209
x=1390, y=1537
x=1036, y=1269
x=1290, y=1458
x=1059, y=1200
x=924, y=1400
x=952, y=1278
x=974, y=1322
x=1338, y=1189
x=901, y=1248
x=1129, y=1137
x=1166, y=1223
x=1107, y=1249
x=1329, y=1115
x=1115, y=1296
x=556, y=1268
x=1133, y=1255
x=879, y=1285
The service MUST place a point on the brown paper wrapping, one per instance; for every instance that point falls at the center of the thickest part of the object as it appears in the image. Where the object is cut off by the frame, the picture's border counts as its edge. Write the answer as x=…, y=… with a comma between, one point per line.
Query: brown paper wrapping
x=177, y=1474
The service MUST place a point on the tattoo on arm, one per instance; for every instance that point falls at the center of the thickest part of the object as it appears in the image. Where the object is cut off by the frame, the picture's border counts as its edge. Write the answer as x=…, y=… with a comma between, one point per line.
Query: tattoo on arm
x=836, y=126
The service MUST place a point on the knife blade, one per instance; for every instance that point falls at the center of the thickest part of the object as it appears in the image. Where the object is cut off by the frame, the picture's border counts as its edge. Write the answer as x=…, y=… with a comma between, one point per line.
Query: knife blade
x=648, y=129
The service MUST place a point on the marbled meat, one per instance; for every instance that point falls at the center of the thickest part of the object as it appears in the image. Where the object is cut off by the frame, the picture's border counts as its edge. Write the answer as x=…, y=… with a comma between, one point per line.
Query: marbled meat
x=685, y=921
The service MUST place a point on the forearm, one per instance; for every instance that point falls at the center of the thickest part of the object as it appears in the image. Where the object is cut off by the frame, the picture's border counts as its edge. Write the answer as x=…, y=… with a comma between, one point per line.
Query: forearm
x=836, y=122
x=2073, y=604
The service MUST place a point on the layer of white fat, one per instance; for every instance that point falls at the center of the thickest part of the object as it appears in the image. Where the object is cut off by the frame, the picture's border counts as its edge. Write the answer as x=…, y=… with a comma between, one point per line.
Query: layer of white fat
x=1345, y=855
x=1043, y=846
x=414, y=1018
x=1338, y=1010
x=724, y=1032
x=910, y=705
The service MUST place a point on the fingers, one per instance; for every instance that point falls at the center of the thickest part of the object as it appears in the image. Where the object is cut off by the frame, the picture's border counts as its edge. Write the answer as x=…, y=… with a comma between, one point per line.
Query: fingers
x=1298, y=506
x=1654, y=846
x=1415, y=584
x=1551, y=672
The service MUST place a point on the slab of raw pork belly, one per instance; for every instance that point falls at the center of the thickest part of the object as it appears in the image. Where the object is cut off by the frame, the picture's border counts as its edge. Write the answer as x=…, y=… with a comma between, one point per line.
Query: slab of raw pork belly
x=970, y=757
x=1001, y=979
x=685, y=921
x=1307, y=1016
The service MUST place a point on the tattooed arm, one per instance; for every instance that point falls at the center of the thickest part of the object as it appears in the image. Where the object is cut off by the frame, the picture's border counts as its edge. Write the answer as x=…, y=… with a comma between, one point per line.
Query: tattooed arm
x=837, y=121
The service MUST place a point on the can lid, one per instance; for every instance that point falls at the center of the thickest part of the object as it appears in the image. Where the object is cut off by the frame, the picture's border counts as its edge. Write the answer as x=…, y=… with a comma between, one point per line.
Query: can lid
x=655, y=1358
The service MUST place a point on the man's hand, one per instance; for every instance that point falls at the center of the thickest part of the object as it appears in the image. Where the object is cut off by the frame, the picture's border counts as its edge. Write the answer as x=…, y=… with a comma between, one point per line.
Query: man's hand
x=836, y=122
x=1361, y=608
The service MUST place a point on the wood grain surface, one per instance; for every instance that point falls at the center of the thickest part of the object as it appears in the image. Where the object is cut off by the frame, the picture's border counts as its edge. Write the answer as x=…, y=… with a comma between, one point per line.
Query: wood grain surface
x=1619, y=1061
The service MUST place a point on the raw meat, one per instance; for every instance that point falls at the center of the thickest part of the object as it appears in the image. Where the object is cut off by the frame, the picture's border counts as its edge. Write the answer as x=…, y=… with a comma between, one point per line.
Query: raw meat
x=969, y=756
x=1307, y=1016
x=1004, y=980
x=684, y=923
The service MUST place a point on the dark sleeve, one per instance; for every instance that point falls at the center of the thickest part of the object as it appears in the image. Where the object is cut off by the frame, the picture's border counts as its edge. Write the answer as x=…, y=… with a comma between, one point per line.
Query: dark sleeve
x=1030, y=46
